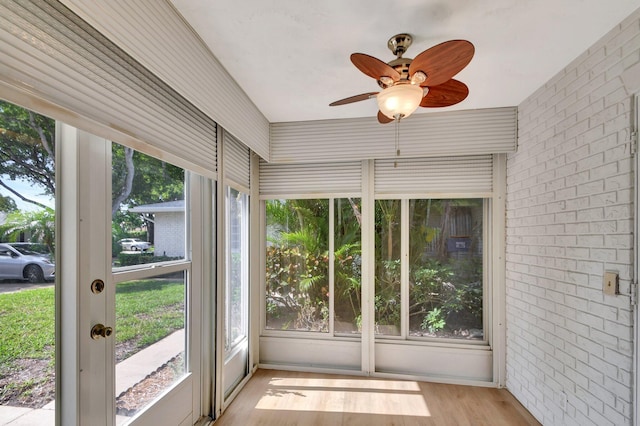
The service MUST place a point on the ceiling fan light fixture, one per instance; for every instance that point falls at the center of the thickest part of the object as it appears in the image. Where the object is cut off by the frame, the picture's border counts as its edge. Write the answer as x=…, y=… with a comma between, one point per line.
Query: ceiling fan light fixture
x=418, y=78
x=386, y=81
x=399, y=101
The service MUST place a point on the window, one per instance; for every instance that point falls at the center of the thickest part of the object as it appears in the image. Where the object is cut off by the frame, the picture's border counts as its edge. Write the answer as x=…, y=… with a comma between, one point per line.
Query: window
x=309, y=287
x=445, y=268
x=387, y=292
x=297, y=265
x=237, y=283
x=27, y=222
x=442, y=282
x=347, y=260
x=150, y=271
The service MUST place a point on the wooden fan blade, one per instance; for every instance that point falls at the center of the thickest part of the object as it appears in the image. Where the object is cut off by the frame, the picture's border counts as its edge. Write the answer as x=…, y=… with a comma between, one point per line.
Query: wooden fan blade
x=383, y=119
x=373, y=67
x=356, y=98
x=442, y=61
x=445, y=94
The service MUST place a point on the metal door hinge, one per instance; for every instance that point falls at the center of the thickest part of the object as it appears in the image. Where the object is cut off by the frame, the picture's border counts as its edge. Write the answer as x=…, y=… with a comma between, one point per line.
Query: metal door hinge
x=633, y=292
x=634, y=142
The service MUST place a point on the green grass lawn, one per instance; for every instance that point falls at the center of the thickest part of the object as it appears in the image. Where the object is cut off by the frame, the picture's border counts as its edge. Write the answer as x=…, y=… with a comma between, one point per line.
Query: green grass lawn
x=146, y=311
x=26, y=325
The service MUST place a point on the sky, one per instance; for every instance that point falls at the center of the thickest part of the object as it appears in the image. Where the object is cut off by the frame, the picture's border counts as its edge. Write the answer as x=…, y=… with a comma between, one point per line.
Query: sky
x=28, y=191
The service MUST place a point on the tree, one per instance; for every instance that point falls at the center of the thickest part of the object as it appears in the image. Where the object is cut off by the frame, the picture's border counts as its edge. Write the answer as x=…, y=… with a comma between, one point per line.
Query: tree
x=27, y=150
x=298, y=262
x=297, y=270
x=123, y=177
x=7, y=204
x=39, y=225
x=139, y=179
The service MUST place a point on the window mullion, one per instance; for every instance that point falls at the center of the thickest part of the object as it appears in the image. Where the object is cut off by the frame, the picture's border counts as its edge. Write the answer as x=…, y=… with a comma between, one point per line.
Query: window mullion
x=404, y=268
x=331, y=268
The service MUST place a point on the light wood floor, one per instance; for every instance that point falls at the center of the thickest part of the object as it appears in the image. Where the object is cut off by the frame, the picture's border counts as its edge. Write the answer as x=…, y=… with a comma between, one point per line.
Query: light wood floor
x=281, y=398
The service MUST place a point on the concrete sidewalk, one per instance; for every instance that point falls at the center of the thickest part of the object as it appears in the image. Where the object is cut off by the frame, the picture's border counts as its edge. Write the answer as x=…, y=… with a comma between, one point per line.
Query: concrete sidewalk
x=135, y=368
x=128, y=372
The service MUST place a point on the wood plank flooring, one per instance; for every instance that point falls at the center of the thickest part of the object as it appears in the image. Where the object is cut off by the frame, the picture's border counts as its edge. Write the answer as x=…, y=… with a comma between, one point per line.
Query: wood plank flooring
x=274, y=397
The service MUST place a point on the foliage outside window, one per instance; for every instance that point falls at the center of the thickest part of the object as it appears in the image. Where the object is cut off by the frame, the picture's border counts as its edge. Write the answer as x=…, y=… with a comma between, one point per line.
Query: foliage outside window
x=297, y=265
x=147, y=204
x=27, y=195
x=297, y=283
x=347, y=265
x=148, y=226
x=445, y=268
x=387, y=291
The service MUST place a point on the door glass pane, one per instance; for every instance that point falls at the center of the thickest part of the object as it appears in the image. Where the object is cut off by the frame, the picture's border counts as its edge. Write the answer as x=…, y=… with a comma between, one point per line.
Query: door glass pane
x=148, y=225
x=445, y=268
x=297, y=286
x=148, y=209
x=347, y=265
x=150, y=339
x=237, y=269
x=387, y=291
x=27, y=270
x=236, y=306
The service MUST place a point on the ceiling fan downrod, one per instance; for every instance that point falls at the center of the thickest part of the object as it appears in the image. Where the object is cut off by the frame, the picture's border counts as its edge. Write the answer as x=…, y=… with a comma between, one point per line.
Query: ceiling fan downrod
x=399, y=43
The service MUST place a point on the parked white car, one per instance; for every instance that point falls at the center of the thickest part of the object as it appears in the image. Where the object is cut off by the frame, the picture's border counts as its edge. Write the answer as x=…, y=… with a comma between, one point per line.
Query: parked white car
x=19, y=261
x=134, y=244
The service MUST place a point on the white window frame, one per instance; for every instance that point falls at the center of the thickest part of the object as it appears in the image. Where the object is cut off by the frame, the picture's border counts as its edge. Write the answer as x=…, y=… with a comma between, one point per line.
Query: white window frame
x=239, y=357
x=231, y=347
x=330, y=334
x=636, y=262
x=487, y=254
x=487, y=365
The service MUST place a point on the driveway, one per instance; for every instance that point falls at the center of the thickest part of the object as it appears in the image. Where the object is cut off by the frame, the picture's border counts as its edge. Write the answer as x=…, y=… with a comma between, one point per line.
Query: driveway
x=13, y=286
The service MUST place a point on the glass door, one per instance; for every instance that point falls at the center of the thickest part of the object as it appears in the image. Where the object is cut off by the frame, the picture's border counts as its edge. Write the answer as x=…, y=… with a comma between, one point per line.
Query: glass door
x=236, y=290
x=126, y=228
x=151, y=277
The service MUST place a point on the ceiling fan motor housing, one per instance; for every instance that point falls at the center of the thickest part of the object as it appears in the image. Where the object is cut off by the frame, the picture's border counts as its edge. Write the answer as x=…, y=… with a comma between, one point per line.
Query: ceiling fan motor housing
x=402, y=66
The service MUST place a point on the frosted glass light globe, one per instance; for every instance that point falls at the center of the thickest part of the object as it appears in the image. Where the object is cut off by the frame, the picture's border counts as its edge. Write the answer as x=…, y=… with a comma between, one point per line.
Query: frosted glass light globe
x=399, y=101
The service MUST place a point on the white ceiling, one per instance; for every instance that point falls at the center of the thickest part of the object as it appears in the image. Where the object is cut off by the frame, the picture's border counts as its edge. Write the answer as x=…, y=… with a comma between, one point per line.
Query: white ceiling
x=292, y=56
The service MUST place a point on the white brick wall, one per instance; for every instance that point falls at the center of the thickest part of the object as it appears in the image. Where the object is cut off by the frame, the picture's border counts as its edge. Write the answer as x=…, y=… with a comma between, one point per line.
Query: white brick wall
x=569, y=218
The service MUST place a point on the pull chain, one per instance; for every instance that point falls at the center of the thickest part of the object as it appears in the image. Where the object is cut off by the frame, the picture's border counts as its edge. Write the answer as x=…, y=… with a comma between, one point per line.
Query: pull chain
x=397, y=137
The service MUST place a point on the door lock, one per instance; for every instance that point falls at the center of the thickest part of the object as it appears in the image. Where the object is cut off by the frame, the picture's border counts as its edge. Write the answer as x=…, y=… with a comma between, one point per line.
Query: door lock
x=99, y=330
x=97, y=286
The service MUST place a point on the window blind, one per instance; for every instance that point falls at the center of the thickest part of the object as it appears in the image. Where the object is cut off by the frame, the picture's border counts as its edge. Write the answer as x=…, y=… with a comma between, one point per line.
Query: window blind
x=324, y=178
x=49, y=54
x=237, y=159
x=437, y=134
x=464, y=174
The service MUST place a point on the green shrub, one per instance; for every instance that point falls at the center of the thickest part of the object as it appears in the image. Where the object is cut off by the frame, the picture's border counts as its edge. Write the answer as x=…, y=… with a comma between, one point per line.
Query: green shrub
x=433, y=321
x=116, y=248
x=128, y=259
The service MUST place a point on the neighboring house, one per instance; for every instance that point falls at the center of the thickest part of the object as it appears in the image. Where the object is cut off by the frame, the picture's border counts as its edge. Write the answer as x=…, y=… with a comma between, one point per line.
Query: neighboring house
x=168, y=220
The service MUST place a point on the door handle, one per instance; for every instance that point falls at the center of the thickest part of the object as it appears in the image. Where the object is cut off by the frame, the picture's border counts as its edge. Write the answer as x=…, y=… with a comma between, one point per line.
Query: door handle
x=99, y=330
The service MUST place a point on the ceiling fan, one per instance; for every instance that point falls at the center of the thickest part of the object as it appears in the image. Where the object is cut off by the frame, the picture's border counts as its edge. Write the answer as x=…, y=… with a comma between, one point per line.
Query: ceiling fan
x=406, y=83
